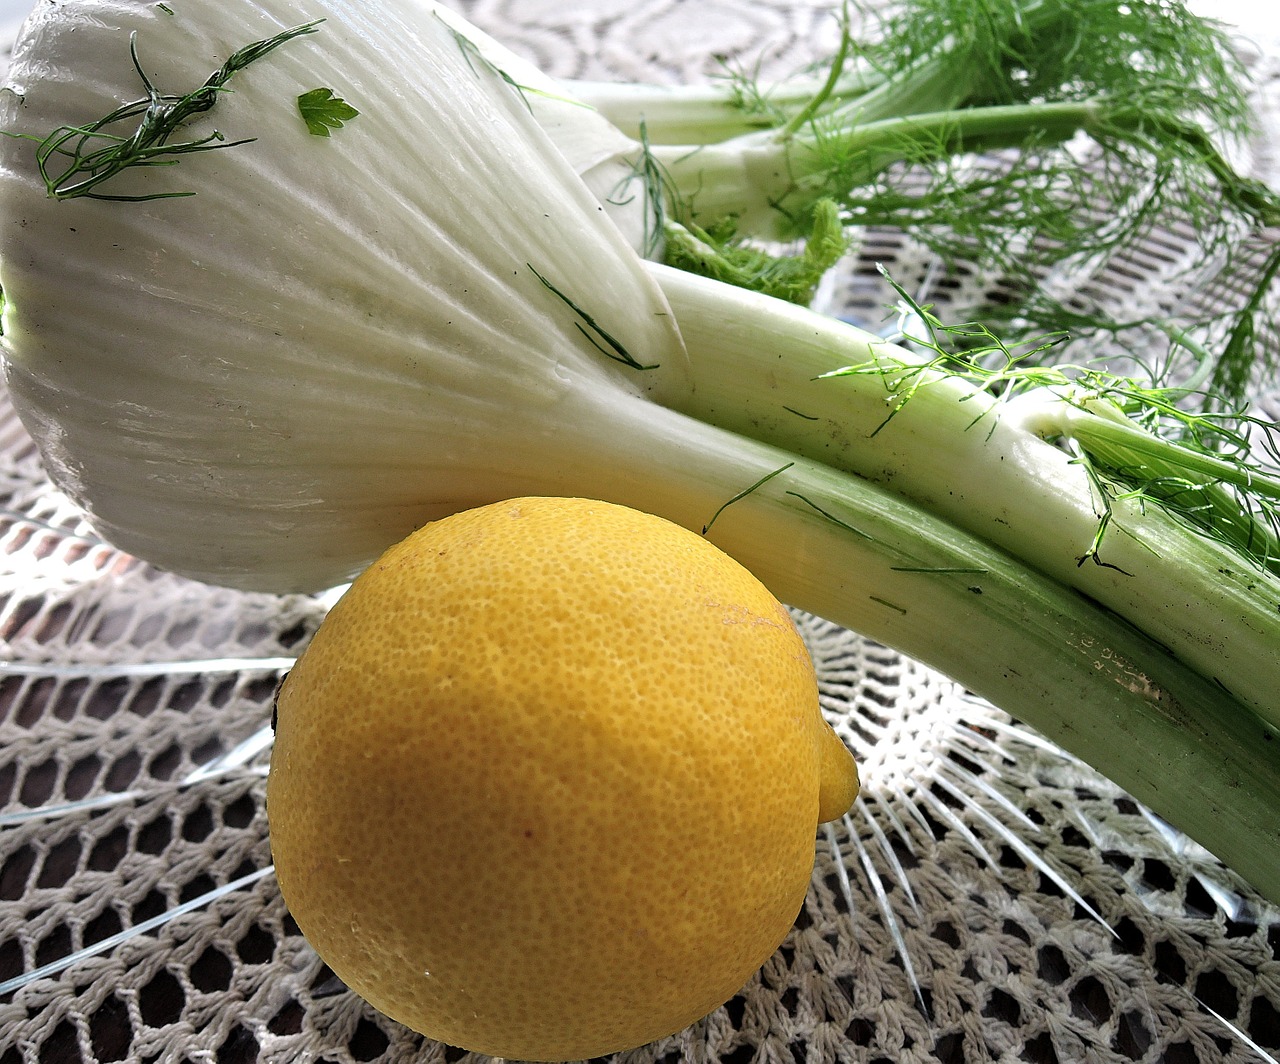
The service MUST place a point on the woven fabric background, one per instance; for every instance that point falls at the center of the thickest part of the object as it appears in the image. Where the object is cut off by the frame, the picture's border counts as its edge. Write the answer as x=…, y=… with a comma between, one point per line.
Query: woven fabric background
x=988, y=898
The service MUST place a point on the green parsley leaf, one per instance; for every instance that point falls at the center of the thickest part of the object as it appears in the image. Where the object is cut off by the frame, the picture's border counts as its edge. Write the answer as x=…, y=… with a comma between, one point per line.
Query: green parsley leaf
x=323, y=111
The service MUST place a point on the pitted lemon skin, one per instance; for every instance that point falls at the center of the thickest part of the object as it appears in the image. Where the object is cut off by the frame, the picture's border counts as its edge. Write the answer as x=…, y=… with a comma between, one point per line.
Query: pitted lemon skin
x=545, y=783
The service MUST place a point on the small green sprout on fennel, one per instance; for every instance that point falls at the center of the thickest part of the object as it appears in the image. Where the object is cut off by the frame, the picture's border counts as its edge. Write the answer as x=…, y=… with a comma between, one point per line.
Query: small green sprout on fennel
x=656, y=189
x=601, y=340
x=323, y=111
x=720, y=254
x=75, y=161
x=739, y=496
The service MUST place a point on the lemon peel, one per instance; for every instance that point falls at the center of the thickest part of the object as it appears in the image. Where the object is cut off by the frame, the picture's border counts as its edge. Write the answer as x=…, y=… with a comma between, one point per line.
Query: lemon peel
x=546, y=781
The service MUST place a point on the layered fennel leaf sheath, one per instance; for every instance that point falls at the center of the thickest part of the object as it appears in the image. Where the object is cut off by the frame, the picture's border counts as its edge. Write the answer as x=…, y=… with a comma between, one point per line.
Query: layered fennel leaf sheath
x=332, y=340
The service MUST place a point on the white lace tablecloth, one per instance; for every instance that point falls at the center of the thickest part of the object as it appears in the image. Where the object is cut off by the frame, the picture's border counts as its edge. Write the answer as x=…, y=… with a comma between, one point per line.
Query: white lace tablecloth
x=988, y=899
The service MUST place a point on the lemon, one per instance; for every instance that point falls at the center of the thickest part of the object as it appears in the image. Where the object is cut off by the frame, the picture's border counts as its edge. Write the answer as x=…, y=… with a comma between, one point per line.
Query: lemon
x=545, y=783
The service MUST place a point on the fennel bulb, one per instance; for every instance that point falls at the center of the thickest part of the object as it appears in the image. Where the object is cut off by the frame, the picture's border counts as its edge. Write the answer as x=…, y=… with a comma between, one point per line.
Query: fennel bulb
x=332, y=340
x=295, y=269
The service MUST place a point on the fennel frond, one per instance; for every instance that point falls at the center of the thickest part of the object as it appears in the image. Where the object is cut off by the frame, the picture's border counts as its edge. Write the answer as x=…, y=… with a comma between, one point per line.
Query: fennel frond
x=1015, y=135
x=75, y=160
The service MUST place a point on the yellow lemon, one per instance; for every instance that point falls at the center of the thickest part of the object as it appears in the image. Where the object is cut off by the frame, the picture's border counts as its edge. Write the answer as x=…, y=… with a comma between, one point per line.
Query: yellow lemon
x=546, y=782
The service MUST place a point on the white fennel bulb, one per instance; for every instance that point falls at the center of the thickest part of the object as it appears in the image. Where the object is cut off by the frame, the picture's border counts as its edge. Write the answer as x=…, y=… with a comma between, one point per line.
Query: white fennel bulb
x=260, y=382
x=608, y=162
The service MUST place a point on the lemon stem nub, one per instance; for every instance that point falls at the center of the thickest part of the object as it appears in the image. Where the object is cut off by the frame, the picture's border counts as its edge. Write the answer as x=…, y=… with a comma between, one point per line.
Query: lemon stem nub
x=837, y=776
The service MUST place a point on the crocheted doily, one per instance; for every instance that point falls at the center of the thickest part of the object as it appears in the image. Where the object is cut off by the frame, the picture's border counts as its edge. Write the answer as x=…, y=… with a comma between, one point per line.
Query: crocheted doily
x=988, y=899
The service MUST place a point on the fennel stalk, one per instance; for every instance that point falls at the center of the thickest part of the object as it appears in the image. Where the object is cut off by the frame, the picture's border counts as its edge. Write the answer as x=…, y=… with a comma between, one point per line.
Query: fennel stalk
x=829, y=391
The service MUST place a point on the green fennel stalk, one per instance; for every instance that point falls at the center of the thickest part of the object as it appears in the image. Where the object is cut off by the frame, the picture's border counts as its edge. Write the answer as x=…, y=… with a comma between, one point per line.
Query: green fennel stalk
x=1206, y=586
